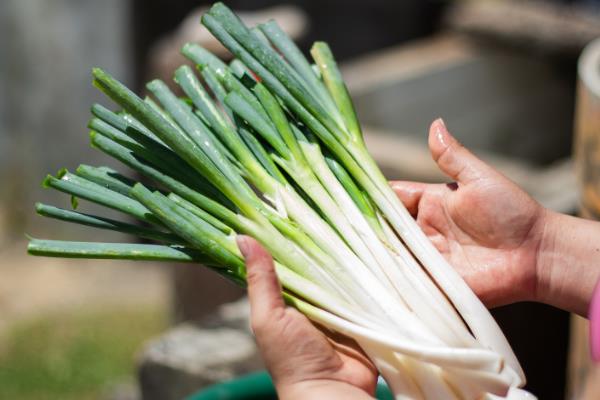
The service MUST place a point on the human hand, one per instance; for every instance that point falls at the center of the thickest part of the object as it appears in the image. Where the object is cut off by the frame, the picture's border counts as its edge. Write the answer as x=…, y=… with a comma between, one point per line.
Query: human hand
x=485, y=225
x=303, y=360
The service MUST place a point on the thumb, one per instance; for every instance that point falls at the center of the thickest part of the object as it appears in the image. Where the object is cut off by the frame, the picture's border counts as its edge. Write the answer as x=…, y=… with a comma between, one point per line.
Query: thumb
x=452, y=157
x=264, y=290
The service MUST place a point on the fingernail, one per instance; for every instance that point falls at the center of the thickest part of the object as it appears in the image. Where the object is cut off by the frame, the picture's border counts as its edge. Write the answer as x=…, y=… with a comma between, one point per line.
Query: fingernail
x=243, y=245
x=441, y=133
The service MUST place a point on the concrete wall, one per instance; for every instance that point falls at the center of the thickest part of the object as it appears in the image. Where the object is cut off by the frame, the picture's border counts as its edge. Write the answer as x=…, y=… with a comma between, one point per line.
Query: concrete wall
x=47, y=49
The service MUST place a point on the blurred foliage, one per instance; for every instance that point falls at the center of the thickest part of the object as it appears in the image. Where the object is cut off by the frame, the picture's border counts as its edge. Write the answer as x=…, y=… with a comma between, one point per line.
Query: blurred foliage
x=74, y=355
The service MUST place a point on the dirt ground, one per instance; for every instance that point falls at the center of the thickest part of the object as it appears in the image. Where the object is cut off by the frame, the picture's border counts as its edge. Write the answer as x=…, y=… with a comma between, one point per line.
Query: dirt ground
x=31, y=286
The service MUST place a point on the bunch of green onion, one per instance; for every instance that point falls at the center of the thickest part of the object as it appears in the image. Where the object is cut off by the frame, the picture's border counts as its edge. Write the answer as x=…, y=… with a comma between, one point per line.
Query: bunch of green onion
x=272, y=148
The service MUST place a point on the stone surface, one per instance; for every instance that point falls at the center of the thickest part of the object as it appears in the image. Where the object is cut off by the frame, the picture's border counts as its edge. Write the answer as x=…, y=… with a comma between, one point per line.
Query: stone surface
x=550, y=27
x=126, y=390
x=192, y=356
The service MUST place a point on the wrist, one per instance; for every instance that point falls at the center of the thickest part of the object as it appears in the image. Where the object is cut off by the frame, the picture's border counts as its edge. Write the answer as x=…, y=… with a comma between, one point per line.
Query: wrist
x=525, y=284
x=320, y=389
x=543, y=261
x=568, y=264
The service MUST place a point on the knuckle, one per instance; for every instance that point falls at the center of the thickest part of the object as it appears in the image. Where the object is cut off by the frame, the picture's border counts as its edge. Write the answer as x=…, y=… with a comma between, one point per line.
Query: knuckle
x=267, y=323
x=258, y=326
x=253, y=276
x=446, y=153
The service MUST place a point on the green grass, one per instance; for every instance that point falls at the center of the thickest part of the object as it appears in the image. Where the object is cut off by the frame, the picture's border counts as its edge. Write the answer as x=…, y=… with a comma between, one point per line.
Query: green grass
x=74, y=355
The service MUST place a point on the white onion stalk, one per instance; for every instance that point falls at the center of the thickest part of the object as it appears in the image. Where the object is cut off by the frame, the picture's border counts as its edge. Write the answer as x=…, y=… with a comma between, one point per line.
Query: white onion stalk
x=397, y=272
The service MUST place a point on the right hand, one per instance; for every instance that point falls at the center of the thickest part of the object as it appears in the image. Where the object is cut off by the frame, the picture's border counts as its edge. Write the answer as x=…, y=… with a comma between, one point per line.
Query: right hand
x=483, y=224
x=304, y=361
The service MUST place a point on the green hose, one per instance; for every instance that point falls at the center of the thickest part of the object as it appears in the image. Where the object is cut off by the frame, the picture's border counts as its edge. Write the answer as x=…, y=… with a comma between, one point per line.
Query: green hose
x=257, y=386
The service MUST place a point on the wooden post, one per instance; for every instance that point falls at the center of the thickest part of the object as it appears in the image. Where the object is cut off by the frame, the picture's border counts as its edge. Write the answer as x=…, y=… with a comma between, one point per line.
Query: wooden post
x=587, y=165
x=587, y=130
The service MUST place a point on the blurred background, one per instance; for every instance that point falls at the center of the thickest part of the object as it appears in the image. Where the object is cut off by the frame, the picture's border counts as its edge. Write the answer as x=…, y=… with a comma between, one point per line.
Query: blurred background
x=502, y=74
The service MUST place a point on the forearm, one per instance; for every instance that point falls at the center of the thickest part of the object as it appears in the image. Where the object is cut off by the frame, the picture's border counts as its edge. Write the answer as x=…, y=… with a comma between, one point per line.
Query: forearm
x=322, y=389
x=568, y=262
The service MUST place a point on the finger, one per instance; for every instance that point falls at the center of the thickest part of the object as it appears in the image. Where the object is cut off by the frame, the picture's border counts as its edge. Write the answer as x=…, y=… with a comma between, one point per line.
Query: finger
x=409, y=193
x=452, y=157
x=264, y=290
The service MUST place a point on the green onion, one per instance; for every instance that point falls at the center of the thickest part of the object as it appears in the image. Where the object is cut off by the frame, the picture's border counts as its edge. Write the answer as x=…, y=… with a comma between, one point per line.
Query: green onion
x=272, y=147
x=106, y=177
x=105, y=223
x=117, y=251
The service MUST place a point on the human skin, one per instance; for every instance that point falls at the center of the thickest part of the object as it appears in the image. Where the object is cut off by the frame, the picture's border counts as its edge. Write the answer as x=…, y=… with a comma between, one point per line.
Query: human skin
x=506, y=246
x=304, y=361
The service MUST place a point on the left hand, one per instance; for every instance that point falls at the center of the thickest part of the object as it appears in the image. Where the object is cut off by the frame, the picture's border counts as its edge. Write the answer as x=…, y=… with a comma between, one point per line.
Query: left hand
x=487, y=227
x=304, y=361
